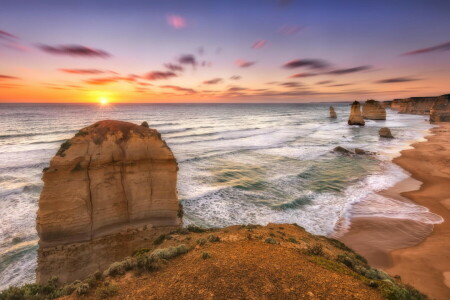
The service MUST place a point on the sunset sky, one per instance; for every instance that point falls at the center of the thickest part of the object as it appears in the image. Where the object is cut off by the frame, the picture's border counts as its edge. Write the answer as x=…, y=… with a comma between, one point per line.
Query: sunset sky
x=222, y=51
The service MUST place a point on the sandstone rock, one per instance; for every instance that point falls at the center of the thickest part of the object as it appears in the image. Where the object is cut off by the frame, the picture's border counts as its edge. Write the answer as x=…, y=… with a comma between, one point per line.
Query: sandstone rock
x=363, y=152
x=342, y=150
x=385, y=133
x=113, y=181
x=440, y=111
x=145, y=124
x=373, y=110
x=413, y=105
x=355, y=117
x=332, y=113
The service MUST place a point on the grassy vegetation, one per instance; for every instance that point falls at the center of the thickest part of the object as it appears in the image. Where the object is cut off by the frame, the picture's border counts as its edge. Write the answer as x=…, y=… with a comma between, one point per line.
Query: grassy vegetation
x=159, y=239
x=64, y=146
x=213, y=238
x=271, y=241
x=205, y=255
x=106, y=291
x=315, y=250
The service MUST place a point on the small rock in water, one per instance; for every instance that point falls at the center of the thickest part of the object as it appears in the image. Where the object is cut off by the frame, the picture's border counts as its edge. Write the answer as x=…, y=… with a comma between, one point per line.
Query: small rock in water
x=342, y=150
x=332, y=113
x=363, y=152
x=386, y=133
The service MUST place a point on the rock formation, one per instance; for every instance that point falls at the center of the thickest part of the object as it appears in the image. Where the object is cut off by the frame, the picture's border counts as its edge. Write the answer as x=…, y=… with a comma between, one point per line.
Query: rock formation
x=342, y=150
x=385, y=133
x=355, y=117
x=373, y=110
x=332, y=113
x=108, y=190
x=440, y=111
x=414, y=105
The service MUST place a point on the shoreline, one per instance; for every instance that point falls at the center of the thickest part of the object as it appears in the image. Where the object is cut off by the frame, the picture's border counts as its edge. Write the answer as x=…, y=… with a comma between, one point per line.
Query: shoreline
x=418, y=252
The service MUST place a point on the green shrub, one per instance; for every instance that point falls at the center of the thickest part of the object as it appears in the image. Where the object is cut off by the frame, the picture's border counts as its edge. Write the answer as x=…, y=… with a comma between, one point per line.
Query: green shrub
x=213, y=238
x=201, y=242
x=148, y=263
x=64, y=146
x=119, y=268
x=315, y=250
x=338, y=244
x=82, y=289
x=205, y=255
x=159, y=239
x=271, y=241
x=292, y=240
x=171, y=252
x=141, y=251
x=106, y=291
x=197, y=229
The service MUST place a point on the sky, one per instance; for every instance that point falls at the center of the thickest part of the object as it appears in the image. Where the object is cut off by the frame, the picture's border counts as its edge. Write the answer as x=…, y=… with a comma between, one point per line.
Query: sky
x=223, y=51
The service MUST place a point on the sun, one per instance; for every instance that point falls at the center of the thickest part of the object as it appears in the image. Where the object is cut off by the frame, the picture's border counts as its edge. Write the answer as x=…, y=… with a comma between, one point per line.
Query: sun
x=103, y=101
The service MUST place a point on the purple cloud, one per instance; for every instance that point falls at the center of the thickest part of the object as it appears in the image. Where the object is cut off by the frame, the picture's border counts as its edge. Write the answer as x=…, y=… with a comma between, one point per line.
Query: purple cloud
x=259, y=44
x=397, y=79
x=244, y=64
x=213, y=81
x=158, y=75
x=187, y=59
x=74, y=50
x=6, y=35
x=178, y=89
x=86, y=71
x=349, y=70
x=308, y=63
x=173, y=67
x=324, y=82
x=440, y=47
x=235, y=77
x=301, y=75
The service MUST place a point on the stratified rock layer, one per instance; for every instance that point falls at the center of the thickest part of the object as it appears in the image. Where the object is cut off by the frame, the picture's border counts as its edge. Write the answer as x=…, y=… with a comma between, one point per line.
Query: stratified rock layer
x=332, y=113
x=355, y=117
x=109, y=188
x=413, y=105
x=373, y=110
x=440, y=111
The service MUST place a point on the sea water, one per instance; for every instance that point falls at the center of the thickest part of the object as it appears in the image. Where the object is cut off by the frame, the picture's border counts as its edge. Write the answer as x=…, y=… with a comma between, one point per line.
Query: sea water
x=238, y=164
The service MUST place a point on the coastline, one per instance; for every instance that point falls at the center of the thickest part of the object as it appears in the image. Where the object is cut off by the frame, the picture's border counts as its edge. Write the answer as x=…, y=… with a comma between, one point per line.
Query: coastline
x=418, y=252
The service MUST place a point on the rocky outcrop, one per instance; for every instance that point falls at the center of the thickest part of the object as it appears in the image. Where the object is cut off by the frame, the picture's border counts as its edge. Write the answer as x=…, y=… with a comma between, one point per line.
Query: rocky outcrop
x=107, y=190
x=355, y=117
x=373, y=110
x=386, y=104
x=385, y=133
x=414, y=105
x=440, y=111
x=332, y=113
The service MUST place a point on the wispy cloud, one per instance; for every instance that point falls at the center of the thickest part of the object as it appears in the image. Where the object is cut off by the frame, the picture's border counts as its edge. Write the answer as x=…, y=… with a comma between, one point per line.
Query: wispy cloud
x=187, y=59
x=74, y=50
x=325, y=82
x=103, y=80
x=159, y=75
x=397, y=79
x=244, y=64
x=235, y=77
x=213, y=81
x=176, y=21
x=6, y=35
x=349, y=70
x=7, y=77
x=289, y=29
x=259, y=44
x=86, y=71
x=178, y=89
x=308, y=63
x=291, y=84
x=305, y=74
x=174, y=67
x=440, y=47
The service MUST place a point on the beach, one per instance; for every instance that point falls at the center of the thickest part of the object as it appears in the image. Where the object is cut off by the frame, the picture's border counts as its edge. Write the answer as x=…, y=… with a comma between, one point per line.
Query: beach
x=418, y=252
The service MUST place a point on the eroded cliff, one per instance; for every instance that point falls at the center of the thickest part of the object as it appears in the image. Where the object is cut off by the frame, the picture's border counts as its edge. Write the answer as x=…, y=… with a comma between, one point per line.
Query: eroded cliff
x=373, y=110
x=107, y=190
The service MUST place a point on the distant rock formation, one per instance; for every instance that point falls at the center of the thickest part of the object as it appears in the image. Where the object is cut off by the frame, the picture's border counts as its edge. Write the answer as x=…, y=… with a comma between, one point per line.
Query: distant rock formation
x=355, y=117
x=385, y=133
x=332, y=113
x=108, y=190
x=387, y=104
x=414, y=105
x=373, y=110
x=440, y=111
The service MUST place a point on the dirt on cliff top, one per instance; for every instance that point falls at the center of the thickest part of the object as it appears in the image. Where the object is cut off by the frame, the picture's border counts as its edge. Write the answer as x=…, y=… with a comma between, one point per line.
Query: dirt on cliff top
x=277, y=261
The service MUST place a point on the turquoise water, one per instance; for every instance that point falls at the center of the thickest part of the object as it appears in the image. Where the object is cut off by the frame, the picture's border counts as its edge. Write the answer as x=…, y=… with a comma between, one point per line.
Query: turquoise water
x=239, y=163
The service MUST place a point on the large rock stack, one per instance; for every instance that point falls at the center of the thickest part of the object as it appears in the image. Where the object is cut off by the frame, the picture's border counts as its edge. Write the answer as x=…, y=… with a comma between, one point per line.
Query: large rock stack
x=355, y=117
x=373, y=110
x=109, y=190
x=440, y=111
x=333, y=114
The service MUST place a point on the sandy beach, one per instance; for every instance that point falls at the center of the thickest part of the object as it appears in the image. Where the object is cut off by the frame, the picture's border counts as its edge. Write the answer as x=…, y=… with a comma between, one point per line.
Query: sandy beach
x=419, y=253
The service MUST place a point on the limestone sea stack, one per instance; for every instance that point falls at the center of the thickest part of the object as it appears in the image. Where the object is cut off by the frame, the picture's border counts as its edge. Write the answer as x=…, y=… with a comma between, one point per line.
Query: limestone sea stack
x=385, y=133
x=373, y=110
x=355, y=117
x=332, y=113
x=440, y=111
x=109, y=190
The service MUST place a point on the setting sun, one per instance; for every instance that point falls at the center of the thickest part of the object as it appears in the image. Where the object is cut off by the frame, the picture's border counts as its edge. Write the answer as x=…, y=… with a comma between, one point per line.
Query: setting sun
x=103, y=101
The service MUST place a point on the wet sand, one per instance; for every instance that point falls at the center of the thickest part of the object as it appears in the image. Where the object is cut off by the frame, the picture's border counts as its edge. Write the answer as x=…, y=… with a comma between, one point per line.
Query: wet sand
x=418, y=252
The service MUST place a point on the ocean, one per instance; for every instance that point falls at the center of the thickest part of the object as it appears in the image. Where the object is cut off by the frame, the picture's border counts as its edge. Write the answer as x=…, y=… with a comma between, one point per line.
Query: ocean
x=238, y=164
